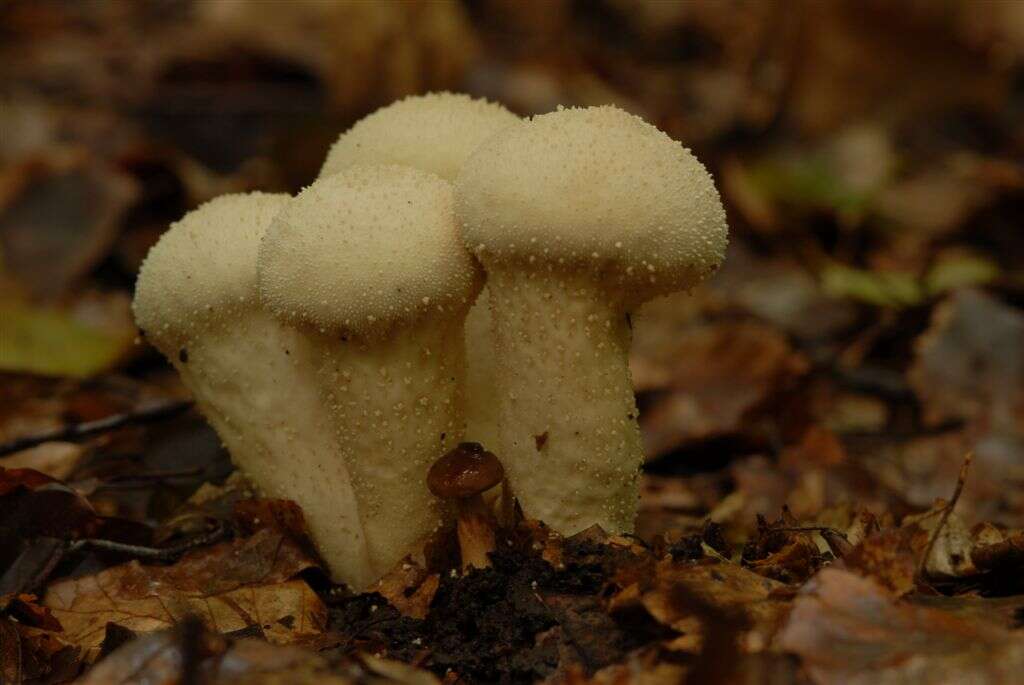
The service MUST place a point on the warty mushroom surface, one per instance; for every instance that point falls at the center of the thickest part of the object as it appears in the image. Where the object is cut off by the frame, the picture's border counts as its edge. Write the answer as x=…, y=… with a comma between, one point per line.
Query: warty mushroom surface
x=579, y=216
x=437, y=132
x=369, y=265
x=196, y=301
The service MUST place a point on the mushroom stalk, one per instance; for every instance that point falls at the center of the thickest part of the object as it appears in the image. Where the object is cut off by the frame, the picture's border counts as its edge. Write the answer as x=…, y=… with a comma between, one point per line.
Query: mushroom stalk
x=401, y=396
x=252, y=375
x=278, y=435
x=579, y=216
x=368, y=265
x=569, y=438
x=475, y=530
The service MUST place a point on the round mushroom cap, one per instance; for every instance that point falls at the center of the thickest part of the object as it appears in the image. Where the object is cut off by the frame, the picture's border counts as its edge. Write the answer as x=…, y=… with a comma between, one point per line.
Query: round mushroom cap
x=203, y=268
x=435, y=132
x=593, y=189
x=466, y=470
x=366, y=250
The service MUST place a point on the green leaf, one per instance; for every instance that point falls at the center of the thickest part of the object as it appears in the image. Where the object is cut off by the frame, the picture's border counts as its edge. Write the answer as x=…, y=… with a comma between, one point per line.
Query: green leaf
x=51, y=343
x=959, y=271
x=879, y=288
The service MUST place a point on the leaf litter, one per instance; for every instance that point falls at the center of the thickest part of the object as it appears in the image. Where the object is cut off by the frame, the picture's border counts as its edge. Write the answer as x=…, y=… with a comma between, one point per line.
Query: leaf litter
x=806, y=514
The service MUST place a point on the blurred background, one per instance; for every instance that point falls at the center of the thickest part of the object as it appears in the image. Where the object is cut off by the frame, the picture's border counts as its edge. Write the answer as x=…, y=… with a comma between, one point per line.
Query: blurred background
x=867, y=329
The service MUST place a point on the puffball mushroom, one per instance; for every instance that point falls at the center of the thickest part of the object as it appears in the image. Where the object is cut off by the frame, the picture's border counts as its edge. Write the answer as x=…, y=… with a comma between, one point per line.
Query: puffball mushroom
x=368, y=263
x=197, y=302
x=579, y=216
x=437, y=132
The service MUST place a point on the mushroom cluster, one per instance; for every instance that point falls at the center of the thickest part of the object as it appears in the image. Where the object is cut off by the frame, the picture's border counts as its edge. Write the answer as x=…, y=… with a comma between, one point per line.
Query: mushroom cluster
x=339, y=343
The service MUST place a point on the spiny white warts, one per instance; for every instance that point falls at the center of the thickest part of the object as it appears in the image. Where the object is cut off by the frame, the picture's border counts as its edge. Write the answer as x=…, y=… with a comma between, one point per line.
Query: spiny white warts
x=351, y=261
x=437, y=132
x=196, y=301
x=579, y=216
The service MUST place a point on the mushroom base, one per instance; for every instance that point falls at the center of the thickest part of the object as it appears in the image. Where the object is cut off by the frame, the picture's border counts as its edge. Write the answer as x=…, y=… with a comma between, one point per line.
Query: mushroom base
x=253, y=379
x=396, y=407
x=570, y=442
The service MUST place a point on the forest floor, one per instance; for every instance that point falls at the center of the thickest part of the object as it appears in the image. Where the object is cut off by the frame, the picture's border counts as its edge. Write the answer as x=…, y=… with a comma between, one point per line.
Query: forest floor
x=834, y=422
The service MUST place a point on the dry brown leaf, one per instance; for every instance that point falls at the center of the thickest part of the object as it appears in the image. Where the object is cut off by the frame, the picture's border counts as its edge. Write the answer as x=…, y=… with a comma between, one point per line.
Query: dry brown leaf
x=970, y=363
x=726, y=586
x=409, y=588
x=232, y=586
x=716, y=376
x=848, y=630
x=887, y=558
x=951, y=555
x=59, y=216
x=32, y=655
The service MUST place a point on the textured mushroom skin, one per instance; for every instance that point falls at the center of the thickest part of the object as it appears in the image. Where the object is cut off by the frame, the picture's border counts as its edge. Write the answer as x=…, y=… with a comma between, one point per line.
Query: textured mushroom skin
x=481, y=375
x=196, y=300
x=579, y=216
x=369, y=264
x=570, y=442
x=396, y=406
x=249, y=380
x=437, y=132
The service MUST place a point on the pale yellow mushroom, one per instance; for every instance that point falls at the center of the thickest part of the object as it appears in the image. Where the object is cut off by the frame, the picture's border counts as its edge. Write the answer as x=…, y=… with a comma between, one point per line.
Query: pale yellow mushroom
x=196, y=301
x=368, y=264
x=579, y=216
x=437, y=132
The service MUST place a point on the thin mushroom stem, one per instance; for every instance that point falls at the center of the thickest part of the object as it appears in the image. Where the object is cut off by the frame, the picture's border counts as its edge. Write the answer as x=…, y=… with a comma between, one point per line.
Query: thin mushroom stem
x=475, y=529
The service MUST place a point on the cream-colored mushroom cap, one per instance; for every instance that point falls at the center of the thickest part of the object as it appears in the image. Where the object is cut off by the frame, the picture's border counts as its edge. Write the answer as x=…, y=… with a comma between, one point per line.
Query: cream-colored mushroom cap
x=435, y=132
x=594, y=188
x=202, y=268
x=365, y=250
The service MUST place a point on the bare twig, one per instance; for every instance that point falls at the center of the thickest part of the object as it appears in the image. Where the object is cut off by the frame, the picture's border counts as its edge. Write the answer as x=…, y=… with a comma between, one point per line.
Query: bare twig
x=77, y=431
x=810, y=529
x=946, y=511
x=151, y=553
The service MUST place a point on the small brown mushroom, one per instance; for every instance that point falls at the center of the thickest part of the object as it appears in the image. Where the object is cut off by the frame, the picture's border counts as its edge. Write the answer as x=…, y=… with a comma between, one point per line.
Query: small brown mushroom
x=463, y=475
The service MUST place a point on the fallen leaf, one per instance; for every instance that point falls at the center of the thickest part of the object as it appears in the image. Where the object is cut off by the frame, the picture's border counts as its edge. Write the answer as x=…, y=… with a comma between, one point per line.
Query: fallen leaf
x=231, y=586
x=59, y=215
x=55, y=459
x=714, y=377
x=878, y=288
x=951, y=554
x=33, y=655
x=848, y=630
x=726, y=586
x=53, y=342
x=887, y=558
x=970, y=363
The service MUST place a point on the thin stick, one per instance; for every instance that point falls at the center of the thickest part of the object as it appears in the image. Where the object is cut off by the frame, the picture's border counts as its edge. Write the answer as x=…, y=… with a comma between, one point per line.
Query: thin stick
x=77, y=431
x=151, y=553
x=809, y=529
x=961, y=479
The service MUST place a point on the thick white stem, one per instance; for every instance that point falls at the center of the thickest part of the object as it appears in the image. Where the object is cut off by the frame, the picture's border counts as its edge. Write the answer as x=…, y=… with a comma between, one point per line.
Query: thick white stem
x=570, y=443
x=396, y=406
x=255, y=381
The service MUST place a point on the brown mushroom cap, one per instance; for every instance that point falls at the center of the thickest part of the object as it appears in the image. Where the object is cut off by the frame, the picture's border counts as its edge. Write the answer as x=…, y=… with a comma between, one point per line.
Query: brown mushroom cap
x=466, y=470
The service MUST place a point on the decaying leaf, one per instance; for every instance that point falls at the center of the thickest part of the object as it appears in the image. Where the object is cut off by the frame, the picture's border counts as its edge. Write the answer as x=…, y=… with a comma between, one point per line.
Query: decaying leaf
x=970, y=364
x=238, y=585
x=846, y=629
x=57, y=343
x=33, y=655
x=715, y=377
